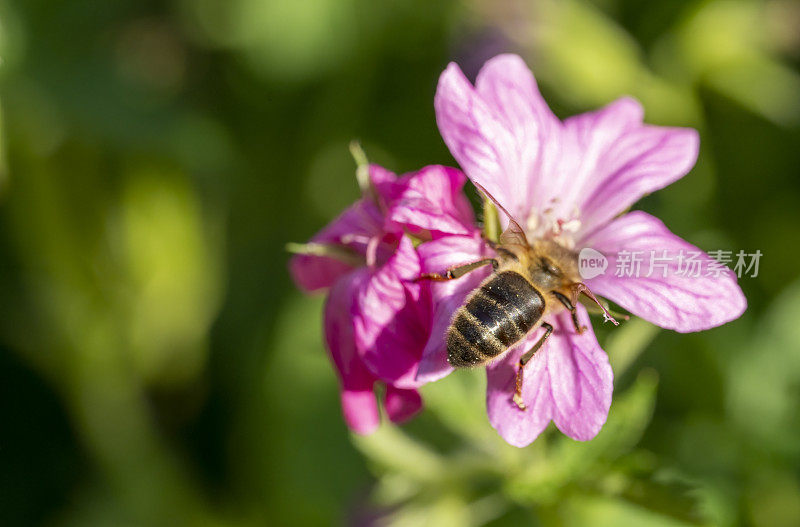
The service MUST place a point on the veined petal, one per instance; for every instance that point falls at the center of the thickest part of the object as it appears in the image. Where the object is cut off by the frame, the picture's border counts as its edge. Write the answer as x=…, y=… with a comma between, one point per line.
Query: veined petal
x=436, y=257
x=391, y=316
x=353, y=229
x=520, y=428
x=359, y=405
x=587, y=139
x=569, y=381
x=507, y=85
x=432, y=200
x=500, y=131
x=401, y=405
x=613, y=160
x=581, y=380
x=671, y=296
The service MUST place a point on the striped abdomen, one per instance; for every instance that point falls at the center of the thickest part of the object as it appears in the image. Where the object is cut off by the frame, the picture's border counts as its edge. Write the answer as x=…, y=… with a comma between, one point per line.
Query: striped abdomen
x=497, y=315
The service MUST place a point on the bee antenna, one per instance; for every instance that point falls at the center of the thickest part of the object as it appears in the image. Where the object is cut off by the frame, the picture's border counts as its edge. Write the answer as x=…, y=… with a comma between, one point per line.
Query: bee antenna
x=581, y=288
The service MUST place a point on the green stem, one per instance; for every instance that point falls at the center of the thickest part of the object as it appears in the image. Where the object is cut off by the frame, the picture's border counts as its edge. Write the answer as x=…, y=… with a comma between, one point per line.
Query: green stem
x=491, y=222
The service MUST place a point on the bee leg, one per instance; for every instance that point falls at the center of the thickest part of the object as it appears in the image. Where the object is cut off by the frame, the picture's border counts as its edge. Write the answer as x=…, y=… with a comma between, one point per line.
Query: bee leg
x=458, y=271
x=524, y=360
x=581, y=289
x=572, y=311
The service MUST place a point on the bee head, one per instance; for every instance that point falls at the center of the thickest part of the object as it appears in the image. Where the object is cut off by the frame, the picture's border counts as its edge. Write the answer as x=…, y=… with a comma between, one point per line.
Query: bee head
x=546, y=273
x=552, y=266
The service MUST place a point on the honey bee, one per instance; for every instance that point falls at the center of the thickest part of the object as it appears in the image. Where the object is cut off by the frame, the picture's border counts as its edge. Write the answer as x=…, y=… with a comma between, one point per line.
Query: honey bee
x=530, y=282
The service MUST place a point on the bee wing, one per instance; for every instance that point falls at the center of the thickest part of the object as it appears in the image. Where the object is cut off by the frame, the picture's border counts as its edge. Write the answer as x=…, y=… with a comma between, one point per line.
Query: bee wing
x=514, y=233
x=512, y=237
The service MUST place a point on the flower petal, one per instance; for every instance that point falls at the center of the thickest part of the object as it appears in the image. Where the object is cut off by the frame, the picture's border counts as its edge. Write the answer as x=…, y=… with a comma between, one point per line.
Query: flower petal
x=667, y=297
x=312, y=273
x=359, y=405
x=519, y=428
x=498, y=132
x=432, y=200
x=615, y=160
x=436, y=257
x=391, y=316
x=360, y=411
x=569, y=381
x=587, y=139
x=509, y=88
x=401, y=405
x=352, y=229
x=380, y=176
x=581, y=380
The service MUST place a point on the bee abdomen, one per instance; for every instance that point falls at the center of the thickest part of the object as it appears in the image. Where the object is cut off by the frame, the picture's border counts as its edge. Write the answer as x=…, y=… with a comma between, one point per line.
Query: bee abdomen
x=497, y=315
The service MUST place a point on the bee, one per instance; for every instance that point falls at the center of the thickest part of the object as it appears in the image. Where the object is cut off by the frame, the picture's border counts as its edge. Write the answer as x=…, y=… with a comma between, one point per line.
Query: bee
x=530, y=282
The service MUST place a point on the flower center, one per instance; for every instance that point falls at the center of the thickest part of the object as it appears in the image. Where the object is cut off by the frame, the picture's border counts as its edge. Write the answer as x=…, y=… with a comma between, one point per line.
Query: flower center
x=552, y=224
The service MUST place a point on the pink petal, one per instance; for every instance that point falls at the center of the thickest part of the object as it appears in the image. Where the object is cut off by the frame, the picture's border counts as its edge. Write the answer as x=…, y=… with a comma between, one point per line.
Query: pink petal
x=519, y=428
x=380, y=176
x=436, y=257
x=613, y=160
x=581, y=379
x=432, y=200
x=569, y=380
x=352, y=229
x=444, y=186
x=401, y=405
x=391, y=315
x=359, y=406
x=360, y=411
x=499, y=133
x=586, y=140
x=312, y=273
x=680, y=302
x=507, y=85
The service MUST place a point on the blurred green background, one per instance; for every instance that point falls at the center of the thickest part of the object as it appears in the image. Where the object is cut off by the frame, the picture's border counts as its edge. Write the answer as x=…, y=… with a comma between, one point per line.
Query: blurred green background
x=157, y=367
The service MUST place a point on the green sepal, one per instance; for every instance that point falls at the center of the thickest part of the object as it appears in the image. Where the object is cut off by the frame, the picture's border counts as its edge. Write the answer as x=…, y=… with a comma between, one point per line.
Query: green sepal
x=337, y=252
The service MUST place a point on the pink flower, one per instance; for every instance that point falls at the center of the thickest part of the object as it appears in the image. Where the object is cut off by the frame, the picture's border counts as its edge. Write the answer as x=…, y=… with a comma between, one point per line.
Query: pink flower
x=569, y=182
x=377, y=315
